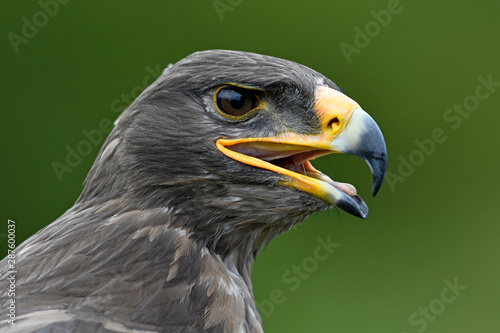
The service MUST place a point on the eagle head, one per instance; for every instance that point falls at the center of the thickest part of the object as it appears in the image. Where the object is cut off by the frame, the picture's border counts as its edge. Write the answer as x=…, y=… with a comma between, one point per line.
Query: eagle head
x=225, y=140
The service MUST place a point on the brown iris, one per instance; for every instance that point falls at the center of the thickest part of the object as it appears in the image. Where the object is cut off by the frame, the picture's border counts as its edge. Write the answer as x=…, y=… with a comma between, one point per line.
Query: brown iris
x=235, y=101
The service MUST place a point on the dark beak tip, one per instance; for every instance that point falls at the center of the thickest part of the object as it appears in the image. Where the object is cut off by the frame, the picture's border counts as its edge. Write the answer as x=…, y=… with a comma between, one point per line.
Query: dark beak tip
x=378, y=168
x=378, y=179
x=373, y=150
x=375, y=190
x=354, y=205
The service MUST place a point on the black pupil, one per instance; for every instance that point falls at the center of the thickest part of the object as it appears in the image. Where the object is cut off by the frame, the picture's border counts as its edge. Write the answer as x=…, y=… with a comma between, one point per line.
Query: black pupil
x=236, y=101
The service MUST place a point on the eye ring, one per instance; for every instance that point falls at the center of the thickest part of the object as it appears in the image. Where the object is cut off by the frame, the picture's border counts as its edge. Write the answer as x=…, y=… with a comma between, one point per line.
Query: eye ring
x=235, y=102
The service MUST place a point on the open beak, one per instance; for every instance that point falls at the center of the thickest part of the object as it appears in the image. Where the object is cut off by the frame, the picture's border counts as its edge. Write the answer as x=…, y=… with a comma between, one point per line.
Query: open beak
x=345, y=128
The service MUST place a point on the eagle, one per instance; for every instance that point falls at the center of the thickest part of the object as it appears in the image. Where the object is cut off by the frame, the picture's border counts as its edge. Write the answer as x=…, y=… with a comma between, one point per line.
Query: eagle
x=204, y=168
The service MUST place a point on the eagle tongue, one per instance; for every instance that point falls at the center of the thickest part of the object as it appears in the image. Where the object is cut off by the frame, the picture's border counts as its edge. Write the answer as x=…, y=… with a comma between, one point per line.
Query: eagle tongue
x=347, y=188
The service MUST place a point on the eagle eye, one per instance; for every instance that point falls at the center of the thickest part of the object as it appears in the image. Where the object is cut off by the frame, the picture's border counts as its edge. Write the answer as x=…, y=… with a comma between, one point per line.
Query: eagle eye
x=235, y=101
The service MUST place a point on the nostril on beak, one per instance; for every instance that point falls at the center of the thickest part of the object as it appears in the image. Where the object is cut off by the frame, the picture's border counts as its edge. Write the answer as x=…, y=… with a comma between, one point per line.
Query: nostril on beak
x=334, y=122
x=334, y=110
x=333, y=125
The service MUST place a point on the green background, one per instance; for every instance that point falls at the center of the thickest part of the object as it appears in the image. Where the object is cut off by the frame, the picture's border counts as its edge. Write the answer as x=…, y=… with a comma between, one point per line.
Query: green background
x=440, y=223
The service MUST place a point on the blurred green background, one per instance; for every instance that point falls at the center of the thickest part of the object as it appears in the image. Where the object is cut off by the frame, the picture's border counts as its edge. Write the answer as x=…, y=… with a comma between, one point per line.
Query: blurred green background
x=435, y=220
